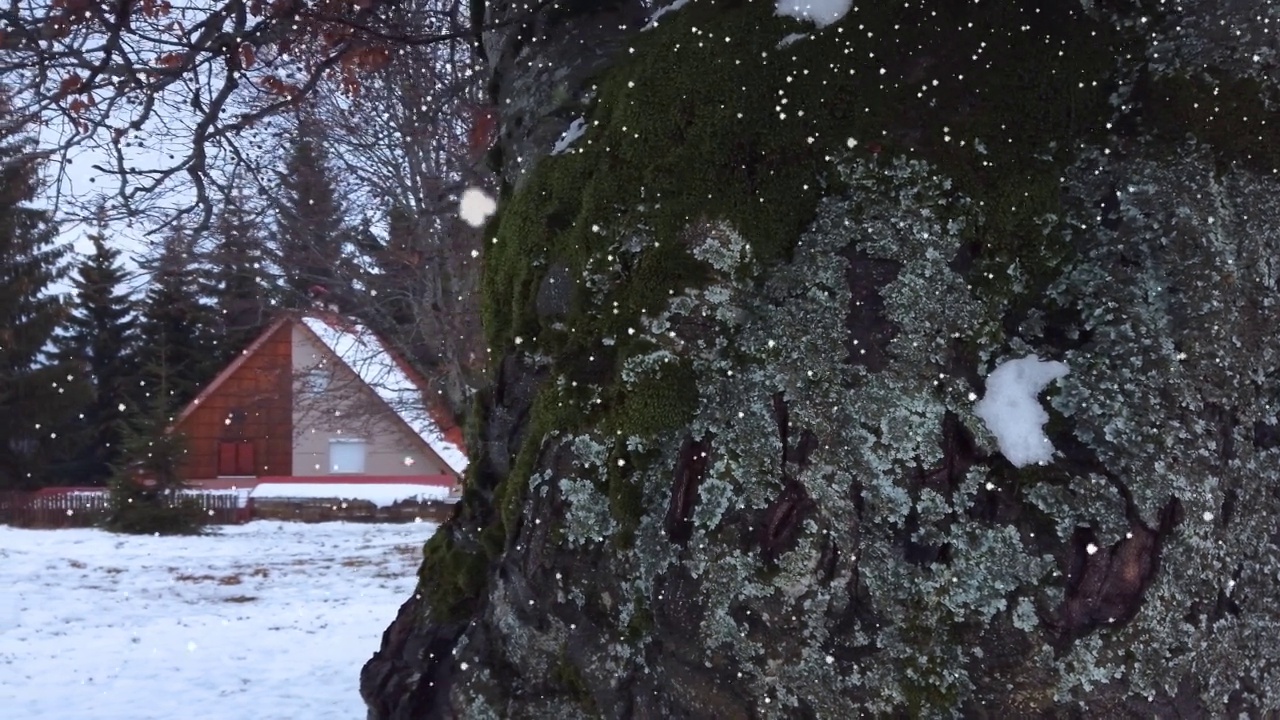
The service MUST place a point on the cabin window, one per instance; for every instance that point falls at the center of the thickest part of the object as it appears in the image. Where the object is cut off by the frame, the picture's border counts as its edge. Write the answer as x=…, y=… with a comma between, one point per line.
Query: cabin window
x=346, y=456
x=316, y=380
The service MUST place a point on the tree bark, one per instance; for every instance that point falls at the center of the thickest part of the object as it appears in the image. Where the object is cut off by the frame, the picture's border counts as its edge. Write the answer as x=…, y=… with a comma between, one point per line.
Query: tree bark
x=729, y=465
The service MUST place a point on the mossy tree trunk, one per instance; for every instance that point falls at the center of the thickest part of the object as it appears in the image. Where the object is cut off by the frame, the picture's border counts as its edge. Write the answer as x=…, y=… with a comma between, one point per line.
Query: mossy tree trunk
x=729, y=465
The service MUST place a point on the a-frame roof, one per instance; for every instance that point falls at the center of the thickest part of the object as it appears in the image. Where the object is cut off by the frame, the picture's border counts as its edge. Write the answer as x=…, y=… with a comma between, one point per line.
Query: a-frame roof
x=383, y=371
x=378, y=367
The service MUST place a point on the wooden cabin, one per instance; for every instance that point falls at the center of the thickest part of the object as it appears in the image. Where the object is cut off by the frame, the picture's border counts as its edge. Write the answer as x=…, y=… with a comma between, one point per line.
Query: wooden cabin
x=318, y=397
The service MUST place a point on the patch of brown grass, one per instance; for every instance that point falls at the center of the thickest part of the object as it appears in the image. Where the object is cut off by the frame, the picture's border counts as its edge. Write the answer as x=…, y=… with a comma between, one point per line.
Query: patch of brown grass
x=409, y=552
x=224, y=580
x=185, y=577
x=239, y=599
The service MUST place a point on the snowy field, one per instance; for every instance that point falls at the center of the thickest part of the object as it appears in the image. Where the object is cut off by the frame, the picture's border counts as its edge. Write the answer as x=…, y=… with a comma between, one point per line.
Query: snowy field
x=265, y=620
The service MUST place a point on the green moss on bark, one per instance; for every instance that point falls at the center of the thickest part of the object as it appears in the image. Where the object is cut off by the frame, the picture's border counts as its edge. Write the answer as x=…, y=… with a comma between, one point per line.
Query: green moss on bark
x=566, y=677
x=661, y=399
x=1236, y=116
x=451, y=578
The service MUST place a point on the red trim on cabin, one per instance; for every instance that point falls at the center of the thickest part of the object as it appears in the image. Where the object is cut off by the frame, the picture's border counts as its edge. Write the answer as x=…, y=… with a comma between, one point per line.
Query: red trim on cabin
x=436, y=409
x=239, y=483
x=248, y=483
x=436, y=480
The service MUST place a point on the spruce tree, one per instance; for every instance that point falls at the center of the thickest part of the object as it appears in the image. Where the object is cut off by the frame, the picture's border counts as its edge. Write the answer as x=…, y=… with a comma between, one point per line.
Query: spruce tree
x=146, y=486
x=101, y=336
x=310, y=231
x=32, y=383
x=400, y=279
x=176, y=319
x=241, y=287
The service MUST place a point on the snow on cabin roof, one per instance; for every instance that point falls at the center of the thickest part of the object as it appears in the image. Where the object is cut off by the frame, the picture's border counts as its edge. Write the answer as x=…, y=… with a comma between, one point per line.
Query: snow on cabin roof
x=362, y=351
x=382, y=494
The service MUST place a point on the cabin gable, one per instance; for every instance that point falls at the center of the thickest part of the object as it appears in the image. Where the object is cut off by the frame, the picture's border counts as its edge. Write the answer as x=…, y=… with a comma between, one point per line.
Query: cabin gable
x=241, y=425
x=341, y=427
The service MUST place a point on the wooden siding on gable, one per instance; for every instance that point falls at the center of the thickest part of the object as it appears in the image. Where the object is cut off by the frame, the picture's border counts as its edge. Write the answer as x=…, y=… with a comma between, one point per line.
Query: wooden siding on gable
x=253, y=405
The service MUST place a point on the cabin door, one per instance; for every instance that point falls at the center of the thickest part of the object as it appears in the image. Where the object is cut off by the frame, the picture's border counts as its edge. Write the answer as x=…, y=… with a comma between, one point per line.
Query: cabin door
x=235, y=459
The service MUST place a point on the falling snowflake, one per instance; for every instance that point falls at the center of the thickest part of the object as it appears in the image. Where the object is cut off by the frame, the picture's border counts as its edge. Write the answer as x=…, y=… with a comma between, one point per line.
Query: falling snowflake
x=476, y=206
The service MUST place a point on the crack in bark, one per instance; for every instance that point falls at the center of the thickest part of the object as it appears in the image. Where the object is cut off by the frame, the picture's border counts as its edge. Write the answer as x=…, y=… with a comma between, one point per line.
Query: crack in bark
x=1266, y=435
x=867, y=329
x=784, y=515
x=1106, y=585
x=690, y=471
x=782, y=521
x=959, y=453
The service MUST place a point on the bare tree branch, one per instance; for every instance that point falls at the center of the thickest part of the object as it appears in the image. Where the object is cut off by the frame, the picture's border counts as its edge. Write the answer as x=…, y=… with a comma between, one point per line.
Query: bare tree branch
x=125, y=79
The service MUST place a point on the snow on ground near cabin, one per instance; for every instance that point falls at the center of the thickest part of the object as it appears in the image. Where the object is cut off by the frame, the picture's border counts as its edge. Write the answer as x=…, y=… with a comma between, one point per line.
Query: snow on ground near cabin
x=380, y=494
x=268, y=620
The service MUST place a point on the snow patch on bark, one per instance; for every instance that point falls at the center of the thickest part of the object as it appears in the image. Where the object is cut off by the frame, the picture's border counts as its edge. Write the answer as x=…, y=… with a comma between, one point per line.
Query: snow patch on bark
x=576, y=129
x=820, y=12
x=1013, y=414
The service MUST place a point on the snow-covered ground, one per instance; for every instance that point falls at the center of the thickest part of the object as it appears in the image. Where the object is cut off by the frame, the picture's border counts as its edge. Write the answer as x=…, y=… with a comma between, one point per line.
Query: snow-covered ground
x=265, y=620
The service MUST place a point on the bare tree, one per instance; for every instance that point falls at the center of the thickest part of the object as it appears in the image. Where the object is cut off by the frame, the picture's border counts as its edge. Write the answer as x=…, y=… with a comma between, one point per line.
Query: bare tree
x=167, y=95
x=408, y=143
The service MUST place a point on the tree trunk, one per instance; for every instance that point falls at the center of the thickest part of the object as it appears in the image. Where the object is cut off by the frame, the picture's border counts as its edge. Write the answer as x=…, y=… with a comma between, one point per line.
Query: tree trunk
x=730, y=464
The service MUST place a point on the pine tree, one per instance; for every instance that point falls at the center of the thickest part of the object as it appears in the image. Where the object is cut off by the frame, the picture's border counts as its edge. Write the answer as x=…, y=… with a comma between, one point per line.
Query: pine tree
x=146, y=486
x=239, y=282
x=32, y=384
x=310, y=230
x=176, y=319
x=101, y=337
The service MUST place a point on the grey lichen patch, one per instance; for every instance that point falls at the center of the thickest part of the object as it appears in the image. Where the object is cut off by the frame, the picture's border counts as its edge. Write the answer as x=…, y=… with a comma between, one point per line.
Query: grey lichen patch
x=1084, y=669
x=909, y=633
x=714, y=498
x=587, y=518
x=536, y=652
x=723, y=248
x=1183, y=291
x=922, y=229
x=872, y=433
x=477, y=690
x=1176, y=363
x=1082, y=501
x=1203, y=33
x=972, y=593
